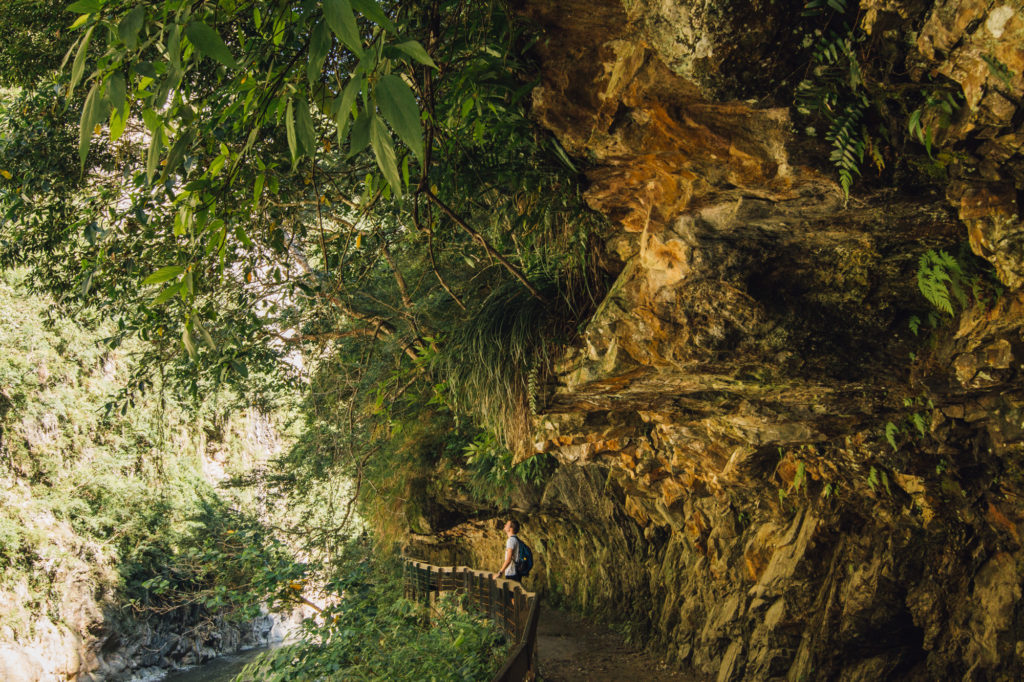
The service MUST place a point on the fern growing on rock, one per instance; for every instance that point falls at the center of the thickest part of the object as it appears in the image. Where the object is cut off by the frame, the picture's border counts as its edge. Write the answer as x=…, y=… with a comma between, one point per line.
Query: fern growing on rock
x=848, y=136
x=951, y=283
x=941, y=279
x=834, y=90
x=851, y=97
x=933, y=116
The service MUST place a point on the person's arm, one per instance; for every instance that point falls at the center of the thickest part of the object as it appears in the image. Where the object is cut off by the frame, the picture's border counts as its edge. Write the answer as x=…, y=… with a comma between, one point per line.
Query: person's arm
x=508, y=560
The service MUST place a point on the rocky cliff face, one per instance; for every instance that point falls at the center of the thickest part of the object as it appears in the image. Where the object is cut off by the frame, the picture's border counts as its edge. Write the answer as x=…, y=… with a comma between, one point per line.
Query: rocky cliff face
x=726, y=479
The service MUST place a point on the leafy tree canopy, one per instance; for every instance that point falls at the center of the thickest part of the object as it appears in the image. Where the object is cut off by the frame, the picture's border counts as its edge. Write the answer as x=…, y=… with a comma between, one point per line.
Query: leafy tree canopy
x=350, y=189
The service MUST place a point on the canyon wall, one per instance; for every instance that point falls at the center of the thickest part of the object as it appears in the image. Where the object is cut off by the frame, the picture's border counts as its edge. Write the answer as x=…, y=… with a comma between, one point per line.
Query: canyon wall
x=70, y=617
x=761, y=465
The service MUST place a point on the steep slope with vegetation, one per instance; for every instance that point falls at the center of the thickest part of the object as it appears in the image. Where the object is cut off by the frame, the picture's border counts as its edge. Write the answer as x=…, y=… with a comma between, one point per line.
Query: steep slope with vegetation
x=113, y=535
x=724, y=298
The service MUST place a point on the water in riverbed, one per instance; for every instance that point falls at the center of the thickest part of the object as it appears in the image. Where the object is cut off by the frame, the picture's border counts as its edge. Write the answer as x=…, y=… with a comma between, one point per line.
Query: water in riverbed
x=220, y=669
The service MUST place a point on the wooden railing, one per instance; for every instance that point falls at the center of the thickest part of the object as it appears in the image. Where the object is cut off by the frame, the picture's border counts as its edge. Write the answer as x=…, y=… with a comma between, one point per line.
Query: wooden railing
x=505, y=602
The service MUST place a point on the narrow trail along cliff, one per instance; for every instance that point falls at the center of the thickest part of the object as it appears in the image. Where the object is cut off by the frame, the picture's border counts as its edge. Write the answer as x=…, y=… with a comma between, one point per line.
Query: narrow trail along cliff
x=570, y=648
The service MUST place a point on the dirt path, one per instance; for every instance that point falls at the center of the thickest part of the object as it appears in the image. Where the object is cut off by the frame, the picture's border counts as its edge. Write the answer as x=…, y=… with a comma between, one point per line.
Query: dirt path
x=570, y=649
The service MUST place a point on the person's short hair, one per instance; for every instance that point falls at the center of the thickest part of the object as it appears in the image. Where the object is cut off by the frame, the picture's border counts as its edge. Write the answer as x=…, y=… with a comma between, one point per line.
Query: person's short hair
x=515, y=525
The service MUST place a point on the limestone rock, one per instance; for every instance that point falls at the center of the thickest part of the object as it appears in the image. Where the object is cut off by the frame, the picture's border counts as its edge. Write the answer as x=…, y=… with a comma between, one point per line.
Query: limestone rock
x=759, y=463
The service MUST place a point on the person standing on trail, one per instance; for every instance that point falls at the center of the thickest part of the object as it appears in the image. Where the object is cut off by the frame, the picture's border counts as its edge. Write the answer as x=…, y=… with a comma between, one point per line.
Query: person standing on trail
x=508, y=569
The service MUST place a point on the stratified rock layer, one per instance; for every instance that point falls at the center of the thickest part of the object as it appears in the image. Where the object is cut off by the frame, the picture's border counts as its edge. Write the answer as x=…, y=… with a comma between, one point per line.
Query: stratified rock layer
x=727, y=479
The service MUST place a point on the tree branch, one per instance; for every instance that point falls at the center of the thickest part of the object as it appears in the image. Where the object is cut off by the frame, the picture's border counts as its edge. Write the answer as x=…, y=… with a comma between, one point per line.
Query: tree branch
x=406, y=301
x=482, y=241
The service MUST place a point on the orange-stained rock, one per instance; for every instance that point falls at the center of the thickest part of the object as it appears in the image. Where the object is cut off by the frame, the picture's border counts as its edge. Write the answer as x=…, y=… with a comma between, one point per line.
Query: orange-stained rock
x=636, y=511
x=998, y=519
x=696, y=526
x=671, y=492
x=758, y=553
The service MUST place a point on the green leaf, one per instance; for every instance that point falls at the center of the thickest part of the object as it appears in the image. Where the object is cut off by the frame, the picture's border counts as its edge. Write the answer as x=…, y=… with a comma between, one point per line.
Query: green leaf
x=216, y=165
x=80, y=21
x=144, y=69
x=164, y=274
x=360, y=134
x=289, y=127
x=384, y=150
x=153, y=156
x=257, y=192
x=319, y=46
x=84, y=7
x=948, y=262
x=118, y=121
x=78, y=66
x=306, y=129
x=152, y=120
x=177, y=153
x=116, y=90
x=890, y=434
x=209, y=43
x=416, y=51
x=186, y=340
x=398, y=105
x=129, y=27
x=174, y=46
x=372, y=11
x=182, y=221
x=87, y=283
x=167, y=294
x=242, y=236
x=347, y=99
x=92, y=113
x=914, y=123
x=240, y=368
x=563, y=157
x=278, y=31
x=249, y=142
x=918, y=419
x=342, y=21
x=206, y=335
x=798, y=479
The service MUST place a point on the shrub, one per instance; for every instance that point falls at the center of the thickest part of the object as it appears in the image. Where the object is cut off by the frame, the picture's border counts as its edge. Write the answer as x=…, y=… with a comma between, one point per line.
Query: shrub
x=374, y=633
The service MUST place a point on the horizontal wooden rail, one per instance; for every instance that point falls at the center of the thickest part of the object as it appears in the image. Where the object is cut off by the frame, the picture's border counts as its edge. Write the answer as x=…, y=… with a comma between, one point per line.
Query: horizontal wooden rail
x=505, y=602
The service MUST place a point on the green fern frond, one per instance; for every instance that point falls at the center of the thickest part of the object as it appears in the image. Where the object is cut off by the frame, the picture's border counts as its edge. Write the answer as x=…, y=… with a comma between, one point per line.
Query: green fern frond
x=813, y=8
x=918, y=420
x=941, y=280
x=941, y=106
x=848, y=136
x=890, y=434
x=947, y=261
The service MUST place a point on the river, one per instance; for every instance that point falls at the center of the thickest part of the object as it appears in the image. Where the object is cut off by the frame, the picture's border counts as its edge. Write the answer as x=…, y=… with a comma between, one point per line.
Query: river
x=220, y=669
